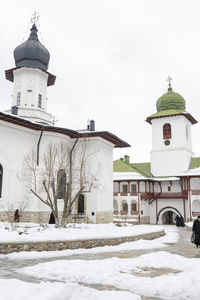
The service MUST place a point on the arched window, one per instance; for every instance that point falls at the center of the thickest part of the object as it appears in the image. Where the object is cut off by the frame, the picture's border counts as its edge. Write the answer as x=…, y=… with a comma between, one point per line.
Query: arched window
x=1, y=179
x=61, y=184
x=167, y=131
x=80, y=204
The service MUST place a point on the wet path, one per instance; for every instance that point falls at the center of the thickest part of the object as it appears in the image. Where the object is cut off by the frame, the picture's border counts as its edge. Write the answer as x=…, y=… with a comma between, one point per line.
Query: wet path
x=9, y=268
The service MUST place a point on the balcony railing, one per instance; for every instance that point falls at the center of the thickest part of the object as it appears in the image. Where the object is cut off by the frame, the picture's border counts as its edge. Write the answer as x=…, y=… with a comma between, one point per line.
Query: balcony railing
x=195, y=213
x=125, y=212
x=195, y=192
x=134, y=213
x=164, y=195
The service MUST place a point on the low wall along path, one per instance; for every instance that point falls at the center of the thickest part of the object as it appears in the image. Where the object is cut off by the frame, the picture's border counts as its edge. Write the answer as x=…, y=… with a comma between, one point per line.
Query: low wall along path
x=10, y=247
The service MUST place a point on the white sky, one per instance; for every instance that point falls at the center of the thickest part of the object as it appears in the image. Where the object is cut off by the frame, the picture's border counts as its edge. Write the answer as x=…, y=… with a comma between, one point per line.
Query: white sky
x=111, y=59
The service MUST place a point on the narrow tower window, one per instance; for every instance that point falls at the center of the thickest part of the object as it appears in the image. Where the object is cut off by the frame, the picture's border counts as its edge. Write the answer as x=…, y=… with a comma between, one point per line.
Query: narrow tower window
x=1, y=179
x=18, y=98
x=40, y=101
x=167, y=131
x=187, y=133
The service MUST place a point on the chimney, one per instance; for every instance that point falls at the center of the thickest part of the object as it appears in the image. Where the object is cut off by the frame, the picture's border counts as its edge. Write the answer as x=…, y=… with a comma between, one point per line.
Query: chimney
x=126, y=159
x=14, y=110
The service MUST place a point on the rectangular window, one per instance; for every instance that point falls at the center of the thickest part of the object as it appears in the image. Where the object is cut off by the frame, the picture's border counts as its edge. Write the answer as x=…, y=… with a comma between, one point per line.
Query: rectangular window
x=125, y=188
x=169, y=188
x=40, y=101
x=133, y=206
x=133, y=188
x=18, y=98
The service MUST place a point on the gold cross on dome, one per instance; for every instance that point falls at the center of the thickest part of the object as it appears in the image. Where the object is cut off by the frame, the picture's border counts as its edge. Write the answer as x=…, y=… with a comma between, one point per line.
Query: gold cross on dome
x=35, y=17
x=169, y=79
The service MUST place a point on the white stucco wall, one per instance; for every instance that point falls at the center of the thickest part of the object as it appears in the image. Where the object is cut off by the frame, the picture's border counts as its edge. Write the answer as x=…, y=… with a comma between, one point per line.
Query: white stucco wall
x=17, y=142
x=175, y=158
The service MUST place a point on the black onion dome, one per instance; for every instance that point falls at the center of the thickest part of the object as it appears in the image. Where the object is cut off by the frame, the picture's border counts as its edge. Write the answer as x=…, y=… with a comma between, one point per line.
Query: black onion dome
x=32, y=53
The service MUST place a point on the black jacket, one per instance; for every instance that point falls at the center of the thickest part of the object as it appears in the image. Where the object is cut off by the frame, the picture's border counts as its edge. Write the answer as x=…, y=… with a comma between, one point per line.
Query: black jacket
x=196, y=227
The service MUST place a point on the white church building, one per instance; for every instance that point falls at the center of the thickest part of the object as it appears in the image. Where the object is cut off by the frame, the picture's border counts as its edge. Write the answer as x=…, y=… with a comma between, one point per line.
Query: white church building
x=156, y=192
x=28, y=125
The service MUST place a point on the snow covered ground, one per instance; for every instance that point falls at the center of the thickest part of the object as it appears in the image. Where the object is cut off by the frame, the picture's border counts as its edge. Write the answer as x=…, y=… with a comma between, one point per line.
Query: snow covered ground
x=158, y=273
x=99, y=279
x=33, y=232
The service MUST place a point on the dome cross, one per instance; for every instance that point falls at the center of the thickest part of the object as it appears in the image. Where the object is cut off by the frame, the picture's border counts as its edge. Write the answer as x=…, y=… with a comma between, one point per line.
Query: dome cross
x=35, y=17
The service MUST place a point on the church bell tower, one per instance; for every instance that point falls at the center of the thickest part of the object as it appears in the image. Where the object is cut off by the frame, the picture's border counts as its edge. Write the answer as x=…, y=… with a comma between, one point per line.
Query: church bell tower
x=171, y=135
x=30, y=79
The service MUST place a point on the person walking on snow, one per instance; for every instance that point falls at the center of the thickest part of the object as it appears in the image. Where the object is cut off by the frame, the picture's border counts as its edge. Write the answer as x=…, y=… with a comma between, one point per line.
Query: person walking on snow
x=196, y=231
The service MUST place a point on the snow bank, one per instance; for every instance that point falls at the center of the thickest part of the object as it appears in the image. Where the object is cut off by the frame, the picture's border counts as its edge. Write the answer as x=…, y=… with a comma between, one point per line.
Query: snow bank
x=122, y=273
x=34, y=232
x=57, y=291
x=171, y=236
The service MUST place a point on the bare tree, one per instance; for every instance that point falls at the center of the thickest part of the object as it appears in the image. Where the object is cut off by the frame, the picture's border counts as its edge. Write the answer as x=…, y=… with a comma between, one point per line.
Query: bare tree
x=64, y=173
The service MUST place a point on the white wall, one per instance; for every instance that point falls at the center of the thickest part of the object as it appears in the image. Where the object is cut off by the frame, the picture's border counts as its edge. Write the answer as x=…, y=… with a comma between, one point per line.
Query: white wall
x=175, y=158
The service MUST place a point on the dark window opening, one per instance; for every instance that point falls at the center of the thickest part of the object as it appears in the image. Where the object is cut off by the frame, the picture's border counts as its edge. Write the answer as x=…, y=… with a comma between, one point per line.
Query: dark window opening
x=40, y=101
x=18, y=98
x=125, y=207
x=133, y=188
x=125, y=188
x=133, y=206
x=61, y=184
x=80, y=204
x=167, y=131
x=1, y=179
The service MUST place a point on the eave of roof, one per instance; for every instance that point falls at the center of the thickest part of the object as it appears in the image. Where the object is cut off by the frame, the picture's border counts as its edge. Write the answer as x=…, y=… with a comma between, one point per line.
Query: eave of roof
x=9, y=76
x=71, y=133
x=171, y=112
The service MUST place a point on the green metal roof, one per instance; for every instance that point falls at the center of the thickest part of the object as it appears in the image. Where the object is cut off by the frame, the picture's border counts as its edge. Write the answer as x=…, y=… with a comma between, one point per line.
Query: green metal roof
x=121, y=166
x=195, y=163
x=170, y=100
x=167, y=112
x=143, y=169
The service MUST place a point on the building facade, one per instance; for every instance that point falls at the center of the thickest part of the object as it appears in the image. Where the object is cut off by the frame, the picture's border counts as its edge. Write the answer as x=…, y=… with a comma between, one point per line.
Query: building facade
x=28, y=126
x=169, y=185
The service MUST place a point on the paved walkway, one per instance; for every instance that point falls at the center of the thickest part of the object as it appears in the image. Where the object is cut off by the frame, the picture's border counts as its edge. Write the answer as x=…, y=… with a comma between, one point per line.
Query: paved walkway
x=182, y=247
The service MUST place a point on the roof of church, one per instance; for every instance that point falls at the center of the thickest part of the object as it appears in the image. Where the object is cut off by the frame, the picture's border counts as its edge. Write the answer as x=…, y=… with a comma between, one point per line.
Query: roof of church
x=170, y=104
x=144, y=169
x=118, y=143
x=32, y=53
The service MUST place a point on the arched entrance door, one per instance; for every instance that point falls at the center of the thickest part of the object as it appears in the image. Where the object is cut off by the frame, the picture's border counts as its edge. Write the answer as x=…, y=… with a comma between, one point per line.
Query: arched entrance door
x=167, y=215
x=81, y=204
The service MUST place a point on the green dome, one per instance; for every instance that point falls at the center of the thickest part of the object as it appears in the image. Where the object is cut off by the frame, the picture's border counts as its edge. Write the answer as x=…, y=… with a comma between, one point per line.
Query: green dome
x=170, y=100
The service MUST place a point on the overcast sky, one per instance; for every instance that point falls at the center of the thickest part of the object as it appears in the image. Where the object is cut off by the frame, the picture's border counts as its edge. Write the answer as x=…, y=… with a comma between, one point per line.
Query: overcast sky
x=111, y=59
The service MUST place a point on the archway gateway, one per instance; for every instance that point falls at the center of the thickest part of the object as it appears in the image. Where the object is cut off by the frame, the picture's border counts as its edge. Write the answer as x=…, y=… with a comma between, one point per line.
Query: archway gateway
x=166, y=215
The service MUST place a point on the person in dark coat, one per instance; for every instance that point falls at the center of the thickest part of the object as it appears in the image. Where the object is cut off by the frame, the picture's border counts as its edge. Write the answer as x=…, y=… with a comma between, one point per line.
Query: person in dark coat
x=51, y=219
x=16, y=216
x=196, y=231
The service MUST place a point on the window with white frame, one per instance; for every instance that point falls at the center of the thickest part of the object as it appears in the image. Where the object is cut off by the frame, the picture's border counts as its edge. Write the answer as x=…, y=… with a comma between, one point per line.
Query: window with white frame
x=133, y=188
x=125, y=188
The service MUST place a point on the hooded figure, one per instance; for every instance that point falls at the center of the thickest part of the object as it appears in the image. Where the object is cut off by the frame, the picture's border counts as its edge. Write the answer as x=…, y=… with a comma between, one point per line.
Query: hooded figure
x=16, y=216
x=196, y=231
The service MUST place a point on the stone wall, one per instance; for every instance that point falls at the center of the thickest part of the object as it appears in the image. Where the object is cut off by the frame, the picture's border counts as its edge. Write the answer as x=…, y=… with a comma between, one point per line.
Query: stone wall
x=6, y=248
x=104, y=217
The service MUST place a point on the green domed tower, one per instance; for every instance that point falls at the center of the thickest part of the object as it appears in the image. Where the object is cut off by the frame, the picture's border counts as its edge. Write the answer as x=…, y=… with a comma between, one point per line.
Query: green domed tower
x=171, y=135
